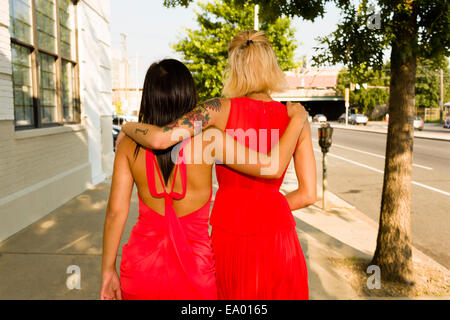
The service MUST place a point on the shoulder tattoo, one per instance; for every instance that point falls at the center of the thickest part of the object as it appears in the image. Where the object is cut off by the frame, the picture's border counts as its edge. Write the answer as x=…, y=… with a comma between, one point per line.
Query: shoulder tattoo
x=199, y=113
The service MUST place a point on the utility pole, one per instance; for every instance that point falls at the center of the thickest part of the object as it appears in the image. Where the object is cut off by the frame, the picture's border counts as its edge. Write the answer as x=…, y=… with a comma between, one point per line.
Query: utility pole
x=125, y=63
x=137, y=82
x=347, y=104
x=441, y=100
x=256, y=20
x=137, y=69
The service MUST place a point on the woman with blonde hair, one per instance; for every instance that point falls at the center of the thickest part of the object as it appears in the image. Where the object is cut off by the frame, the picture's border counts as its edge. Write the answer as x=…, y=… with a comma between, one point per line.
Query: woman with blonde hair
x=256, y=247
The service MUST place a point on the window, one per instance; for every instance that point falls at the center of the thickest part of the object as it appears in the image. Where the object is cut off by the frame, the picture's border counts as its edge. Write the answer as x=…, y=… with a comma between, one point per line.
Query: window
x=44, y=62
x=47, y=83
x=22, y=85
x=68, y=91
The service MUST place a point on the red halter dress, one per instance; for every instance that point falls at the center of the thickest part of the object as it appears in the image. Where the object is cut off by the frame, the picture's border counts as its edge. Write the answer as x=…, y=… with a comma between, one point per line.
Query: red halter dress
x=257, y=250
x=168, y=257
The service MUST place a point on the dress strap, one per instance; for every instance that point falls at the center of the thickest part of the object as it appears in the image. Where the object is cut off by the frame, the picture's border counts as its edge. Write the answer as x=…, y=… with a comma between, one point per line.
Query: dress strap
x=178, y=239
x=152, y=163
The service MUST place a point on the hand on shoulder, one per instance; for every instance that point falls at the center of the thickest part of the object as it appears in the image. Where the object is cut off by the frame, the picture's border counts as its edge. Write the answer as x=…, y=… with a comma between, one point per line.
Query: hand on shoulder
x=295, y=109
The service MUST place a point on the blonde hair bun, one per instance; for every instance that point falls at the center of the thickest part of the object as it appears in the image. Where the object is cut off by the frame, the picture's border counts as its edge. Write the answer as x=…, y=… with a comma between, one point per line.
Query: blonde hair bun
x=252, y=66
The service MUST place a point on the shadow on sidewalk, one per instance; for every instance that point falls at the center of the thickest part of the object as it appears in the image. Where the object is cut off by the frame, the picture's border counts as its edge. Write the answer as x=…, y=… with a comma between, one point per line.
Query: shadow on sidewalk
x=318, y=247
x=34, y=261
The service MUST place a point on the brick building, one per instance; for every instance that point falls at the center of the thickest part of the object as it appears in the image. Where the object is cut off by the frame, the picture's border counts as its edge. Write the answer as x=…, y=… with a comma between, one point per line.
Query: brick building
x=55, y=105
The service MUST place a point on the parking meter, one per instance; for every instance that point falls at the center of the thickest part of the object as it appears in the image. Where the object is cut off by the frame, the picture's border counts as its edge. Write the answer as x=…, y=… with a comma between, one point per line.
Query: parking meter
x=325, y=137
x=325, y=140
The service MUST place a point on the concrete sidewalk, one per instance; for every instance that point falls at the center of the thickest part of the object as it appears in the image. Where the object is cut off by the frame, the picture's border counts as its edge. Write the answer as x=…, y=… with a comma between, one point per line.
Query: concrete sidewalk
x=34, y=262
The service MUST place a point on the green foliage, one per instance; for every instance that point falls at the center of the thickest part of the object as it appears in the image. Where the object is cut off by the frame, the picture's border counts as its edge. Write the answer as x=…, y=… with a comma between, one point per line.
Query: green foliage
x=365, y=99
x=360, y=45
x=205, y=50
x=356, y=43
x=427, y=86
x=272, y=10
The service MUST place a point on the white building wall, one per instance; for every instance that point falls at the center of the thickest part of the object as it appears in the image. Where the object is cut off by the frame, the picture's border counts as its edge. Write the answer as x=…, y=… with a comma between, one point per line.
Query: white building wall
x=95, y=83
x=41, y=169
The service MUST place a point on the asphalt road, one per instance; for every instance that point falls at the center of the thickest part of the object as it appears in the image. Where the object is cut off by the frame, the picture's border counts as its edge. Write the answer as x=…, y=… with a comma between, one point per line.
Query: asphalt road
x=355, y=174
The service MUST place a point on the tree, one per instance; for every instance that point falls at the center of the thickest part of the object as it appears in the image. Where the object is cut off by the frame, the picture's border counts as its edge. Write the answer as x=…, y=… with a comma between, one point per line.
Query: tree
x=376, y=94
x=205, y=50
x=373, y=88
x=411, y=29
x=428, y=83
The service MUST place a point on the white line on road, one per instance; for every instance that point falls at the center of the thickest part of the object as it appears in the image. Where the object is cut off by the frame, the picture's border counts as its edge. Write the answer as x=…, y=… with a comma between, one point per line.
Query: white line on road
x=351, y=161
x=373, y=154
x=381, y=171
x=431, y=188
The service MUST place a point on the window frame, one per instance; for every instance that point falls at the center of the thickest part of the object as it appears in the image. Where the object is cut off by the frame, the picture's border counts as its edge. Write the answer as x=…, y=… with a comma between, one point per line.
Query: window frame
x=35, y=77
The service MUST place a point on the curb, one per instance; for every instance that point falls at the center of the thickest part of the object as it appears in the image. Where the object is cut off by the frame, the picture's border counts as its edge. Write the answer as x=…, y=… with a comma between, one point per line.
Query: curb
x=376, y=131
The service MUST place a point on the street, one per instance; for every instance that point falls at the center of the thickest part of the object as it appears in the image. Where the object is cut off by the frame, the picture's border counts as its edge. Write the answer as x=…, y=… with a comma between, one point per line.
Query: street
x=355, y=174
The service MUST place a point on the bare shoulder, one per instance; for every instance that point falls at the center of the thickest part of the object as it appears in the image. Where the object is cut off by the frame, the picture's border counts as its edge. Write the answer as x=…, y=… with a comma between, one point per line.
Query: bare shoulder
x=126, y=146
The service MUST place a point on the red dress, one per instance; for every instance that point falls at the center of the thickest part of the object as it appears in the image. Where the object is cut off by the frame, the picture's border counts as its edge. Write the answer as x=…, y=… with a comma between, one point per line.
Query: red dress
x=257, y=251
x=168, y=257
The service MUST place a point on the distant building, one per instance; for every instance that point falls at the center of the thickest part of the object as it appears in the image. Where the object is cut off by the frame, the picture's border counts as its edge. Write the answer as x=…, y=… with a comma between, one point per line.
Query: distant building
x=55, y=105
x=316, y=89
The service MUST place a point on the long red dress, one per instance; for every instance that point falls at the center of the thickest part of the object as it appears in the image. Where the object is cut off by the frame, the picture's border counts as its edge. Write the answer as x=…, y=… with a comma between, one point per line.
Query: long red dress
x=168, y=257
x=257, y=251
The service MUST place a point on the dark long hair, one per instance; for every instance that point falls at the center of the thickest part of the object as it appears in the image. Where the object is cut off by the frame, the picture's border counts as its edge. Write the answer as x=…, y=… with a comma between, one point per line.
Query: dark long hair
x=168, y=93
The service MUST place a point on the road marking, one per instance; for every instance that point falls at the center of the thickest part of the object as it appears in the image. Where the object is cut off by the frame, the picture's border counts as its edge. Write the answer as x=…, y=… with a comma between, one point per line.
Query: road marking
x=373, y=154
x=381, y=171
x=351, y=161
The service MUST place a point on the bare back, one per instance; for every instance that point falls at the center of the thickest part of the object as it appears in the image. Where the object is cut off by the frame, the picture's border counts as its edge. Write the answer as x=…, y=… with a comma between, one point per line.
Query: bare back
x=198, y=182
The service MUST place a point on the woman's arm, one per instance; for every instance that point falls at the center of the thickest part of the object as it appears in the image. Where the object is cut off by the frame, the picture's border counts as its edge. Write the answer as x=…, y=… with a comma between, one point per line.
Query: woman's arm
x=116, y=217
x=271, y=165
x=305, y=168
x=208, y=113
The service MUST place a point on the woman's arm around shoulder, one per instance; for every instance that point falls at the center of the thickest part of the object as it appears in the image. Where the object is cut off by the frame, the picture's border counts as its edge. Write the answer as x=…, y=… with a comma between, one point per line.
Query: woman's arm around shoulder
x=273, y=164
x=213, y=112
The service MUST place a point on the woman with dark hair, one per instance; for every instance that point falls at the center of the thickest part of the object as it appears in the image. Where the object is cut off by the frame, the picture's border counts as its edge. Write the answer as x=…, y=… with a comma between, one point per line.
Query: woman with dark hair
x=258, y=253
x=169, y=254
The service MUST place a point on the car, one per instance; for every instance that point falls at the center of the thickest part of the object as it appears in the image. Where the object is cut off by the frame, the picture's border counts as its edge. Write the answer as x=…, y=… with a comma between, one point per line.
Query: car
x=418, y=123
x=358, y=118
x=319, y=118
x=341, y=118
x=119, y=120
x=115, y=132
x=447, y=122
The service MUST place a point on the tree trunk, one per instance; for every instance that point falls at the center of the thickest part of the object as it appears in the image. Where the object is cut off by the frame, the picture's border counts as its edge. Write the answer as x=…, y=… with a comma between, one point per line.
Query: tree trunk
x=393, y=253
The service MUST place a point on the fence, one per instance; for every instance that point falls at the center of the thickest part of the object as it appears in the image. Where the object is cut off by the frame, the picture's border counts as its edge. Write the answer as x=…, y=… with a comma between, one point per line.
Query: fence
x=431, y=114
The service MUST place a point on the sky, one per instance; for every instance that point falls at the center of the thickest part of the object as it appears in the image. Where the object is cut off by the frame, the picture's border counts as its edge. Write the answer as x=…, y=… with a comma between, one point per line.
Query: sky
x=152, y=29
